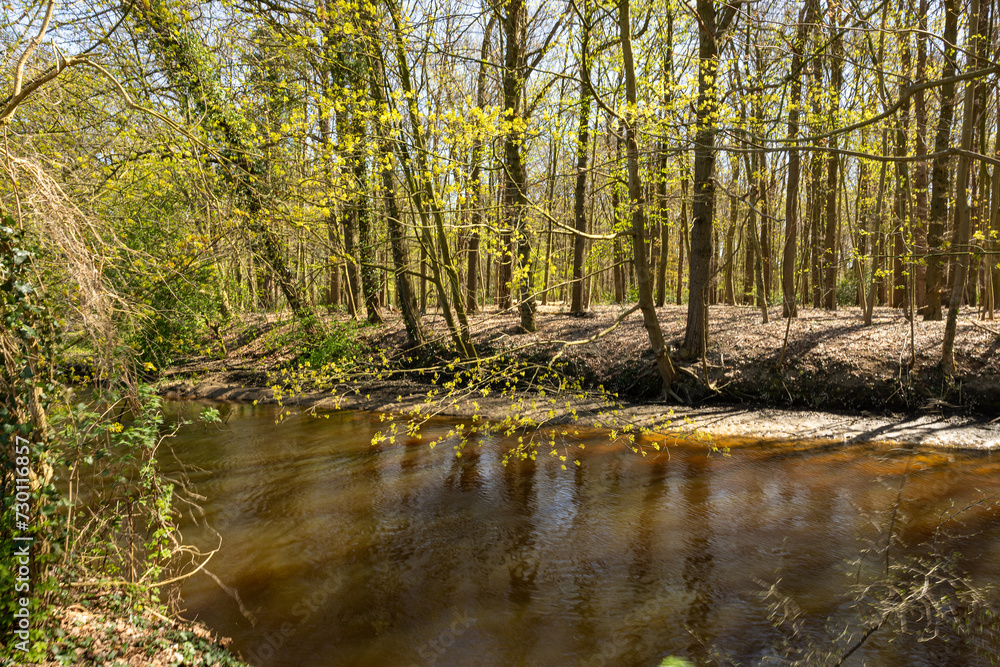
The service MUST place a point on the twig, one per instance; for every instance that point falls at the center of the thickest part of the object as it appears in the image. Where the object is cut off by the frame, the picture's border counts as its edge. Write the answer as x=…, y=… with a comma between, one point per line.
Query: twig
x=860, y=642
x=985, y=328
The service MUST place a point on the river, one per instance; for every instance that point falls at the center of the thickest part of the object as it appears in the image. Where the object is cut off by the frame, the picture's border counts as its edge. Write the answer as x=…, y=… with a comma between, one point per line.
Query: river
x=338, y=552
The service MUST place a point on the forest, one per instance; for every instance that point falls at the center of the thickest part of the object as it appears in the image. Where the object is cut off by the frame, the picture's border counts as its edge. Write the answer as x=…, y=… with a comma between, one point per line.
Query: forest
x=189, y=162
x=177, y=172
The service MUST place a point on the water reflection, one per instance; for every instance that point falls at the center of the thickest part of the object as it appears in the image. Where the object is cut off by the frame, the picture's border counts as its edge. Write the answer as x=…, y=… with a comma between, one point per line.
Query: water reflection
x=337, y=552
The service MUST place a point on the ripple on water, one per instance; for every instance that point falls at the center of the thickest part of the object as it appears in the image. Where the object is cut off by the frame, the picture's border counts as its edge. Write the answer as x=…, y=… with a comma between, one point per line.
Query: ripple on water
x=337, y=552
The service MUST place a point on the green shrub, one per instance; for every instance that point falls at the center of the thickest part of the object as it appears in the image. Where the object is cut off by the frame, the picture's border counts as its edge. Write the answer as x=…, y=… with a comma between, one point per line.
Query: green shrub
x=847, y=290
x=339, y=342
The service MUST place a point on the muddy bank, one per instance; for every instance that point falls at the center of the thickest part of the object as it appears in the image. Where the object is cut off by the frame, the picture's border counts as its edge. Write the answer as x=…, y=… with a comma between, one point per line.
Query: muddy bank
x=740, y=421
x=836, y=378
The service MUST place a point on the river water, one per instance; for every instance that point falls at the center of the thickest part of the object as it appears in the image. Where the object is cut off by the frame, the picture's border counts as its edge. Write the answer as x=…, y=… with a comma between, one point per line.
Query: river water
x=338, y=552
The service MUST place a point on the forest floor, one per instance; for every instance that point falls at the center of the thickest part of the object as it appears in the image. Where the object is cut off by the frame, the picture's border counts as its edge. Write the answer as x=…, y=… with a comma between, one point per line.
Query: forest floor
x=107, y=629
x=837, y=378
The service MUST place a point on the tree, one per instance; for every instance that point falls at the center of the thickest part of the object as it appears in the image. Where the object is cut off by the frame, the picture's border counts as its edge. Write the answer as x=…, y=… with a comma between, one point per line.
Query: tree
x=711, y=32
x=189, y=63
x=583, y=137
x=807, y=18
x=472, y=272
x=974, y=49
x=940, y=167
x=637, y=207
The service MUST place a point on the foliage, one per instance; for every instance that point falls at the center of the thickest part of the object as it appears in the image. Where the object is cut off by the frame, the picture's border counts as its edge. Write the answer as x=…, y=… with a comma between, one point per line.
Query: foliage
x=847, y=290
x=111, y=454
x=108, y=629
x=29, y=496
x=171, y=274
x=211, y=416
x=98, y=507
x=339, y=343
x=336, y=343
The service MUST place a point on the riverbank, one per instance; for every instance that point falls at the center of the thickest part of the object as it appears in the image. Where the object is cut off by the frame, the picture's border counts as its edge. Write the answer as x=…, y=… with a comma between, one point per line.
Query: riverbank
x=837, y=379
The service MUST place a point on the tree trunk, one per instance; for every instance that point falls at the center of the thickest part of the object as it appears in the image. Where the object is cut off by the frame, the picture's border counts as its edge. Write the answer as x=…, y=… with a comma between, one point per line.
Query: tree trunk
x=833, y=162
x=920, y=176
x=877, y=246
x=580, y=191
x=475, y=178
x=939, y=169
x=643, y=279
x=661, y=178
x=682, y=240
x=901, y=231
x=397, y=234
x=332, y=266
x=728, y=254
x=362, y=216
x=515, y=178
x=702, y=210
x=807, y=17
x=428, y=205
x=992, y=258
x=348, y=221
x=963, y=212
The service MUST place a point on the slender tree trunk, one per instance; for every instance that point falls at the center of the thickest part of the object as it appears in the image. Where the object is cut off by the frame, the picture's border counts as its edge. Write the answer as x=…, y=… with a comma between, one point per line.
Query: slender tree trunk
x=817, y=189
x=475, y=178
x=580, y=191
x=348, y=221
x=397, y=233
x=728, y=252
x=964, y=217
x=363, y=223
x=661, y=178
x=992, y=245
x=332, y=266
x=428, y=205
x=901, y=231
x=920, y=176
x=515, y=178
x=807, y=17
x=939, y=169
x=619, y=270
x=764, y=244
x=643, y=279
x=877, y=245
x=758, y=263
x=830, y=258
x=682, y=241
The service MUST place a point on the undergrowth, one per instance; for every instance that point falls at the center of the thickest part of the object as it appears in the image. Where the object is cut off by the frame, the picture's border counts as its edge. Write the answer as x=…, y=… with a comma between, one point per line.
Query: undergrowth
x=87, y=512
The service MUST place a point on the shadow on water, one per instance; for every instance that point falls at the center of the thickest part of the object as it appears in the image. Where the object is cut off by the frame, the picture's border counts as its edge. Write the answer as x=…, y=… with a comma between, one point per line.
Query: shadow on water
x=338, y=552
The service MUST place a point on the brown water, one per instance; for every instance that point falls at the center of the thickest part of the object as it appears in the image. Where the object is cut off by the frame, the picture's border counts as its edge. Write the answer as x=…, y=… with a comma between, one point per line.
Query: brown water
x=337, y=552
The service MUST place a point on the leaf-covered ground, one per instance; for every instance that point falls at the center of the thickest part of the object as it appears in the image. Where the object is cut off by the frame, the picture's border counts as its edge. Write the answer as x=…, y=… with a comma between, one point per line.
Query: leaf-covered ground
x=831, y=360
x=106, y=630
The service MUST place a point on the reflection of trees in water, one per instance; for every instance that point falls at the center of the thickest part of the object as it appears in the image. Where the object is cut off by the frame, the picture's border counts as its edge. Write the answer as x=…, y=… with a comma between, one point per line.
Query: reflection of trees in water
x=643, y=556
x=464, y=474
x=618, y=561
x=644, y=564
x=585, y=584
x=519, y=484
x=699, y=562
